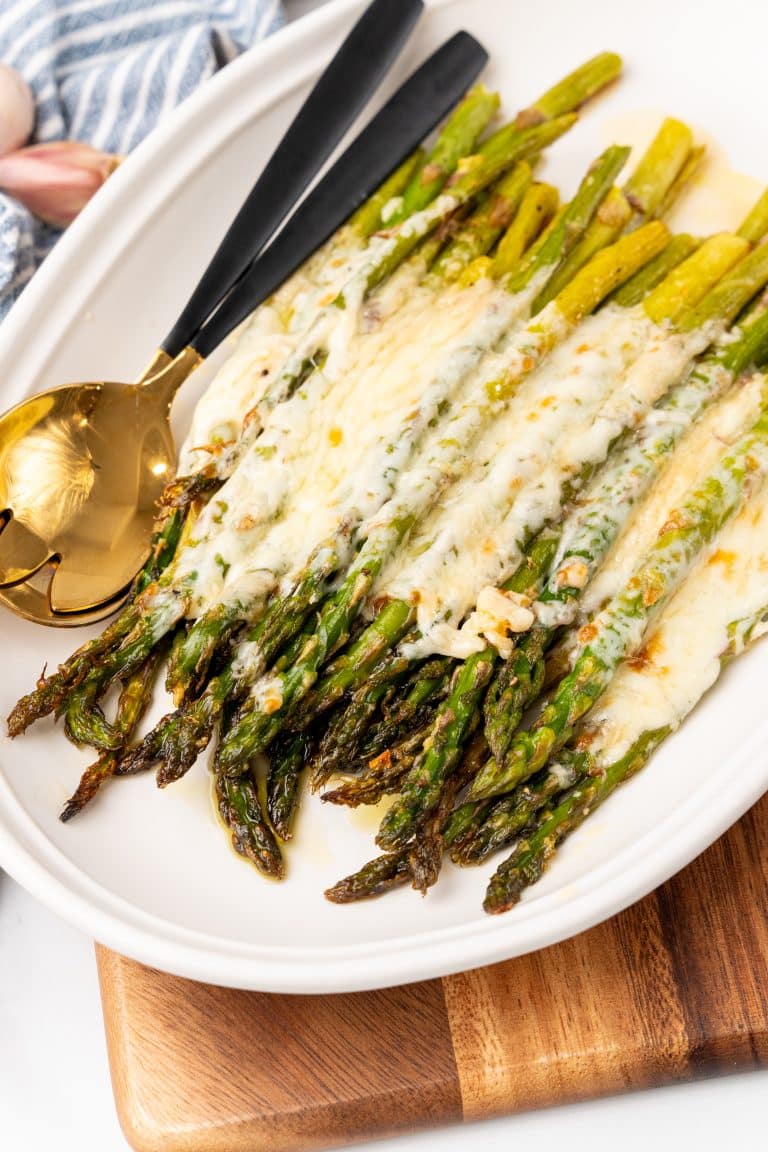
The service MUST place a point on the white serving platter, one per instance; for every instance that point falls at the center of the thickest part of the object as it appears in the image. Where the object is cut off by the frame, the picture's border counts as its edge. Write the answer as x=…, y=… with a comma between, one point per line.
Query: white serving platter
x=148, y=872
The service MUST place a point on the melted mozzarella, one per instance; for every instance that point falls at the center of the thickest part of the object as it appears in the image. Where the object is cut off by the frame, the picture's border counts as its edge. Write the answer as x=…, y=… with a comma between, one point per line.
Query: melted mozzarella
x=681, y=658
x=259, y=349
x=330, y=455
x=696, y=454
x=262, y=345
x=603, y=377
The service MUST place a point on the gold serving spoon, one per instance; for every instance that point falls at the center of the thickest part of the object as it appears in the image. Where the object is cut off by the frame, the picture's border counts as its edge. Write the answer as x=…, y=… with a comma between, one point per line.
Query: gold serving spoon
x=82, y=467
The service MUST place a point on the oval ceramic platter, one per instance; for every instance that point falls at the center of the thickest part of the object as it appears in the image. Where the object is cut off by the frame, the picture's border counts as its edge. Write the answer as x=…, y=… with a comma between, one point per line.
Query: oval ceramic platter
x=148, y=872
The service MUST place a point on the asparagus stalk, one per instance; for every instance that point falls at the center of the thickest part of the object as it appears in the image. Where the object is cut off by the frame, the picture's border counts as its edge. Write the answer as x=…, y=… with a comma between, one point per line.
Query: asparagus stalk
x=682, y=180
x=485, y=225
x=384, y=774
x=134, y=700
x=618, y=630
x=425, y=853
x=610, y=220
x=537, y=209
x=369, y=216
x=532, y=853
x=376, y=716
x=389, y=871
x=508, y=816
x=755, y=226
x=422, y=791
x=574, y=90
x=635, y=289
x=340, y=744
x=517, y=683
x=286, y=762
x=427, y=686
x=658, y=169
x=190, y=659
x=392, y=870
x=648, y=189
x=572, y=223
x=465, y=125
x=240, y=810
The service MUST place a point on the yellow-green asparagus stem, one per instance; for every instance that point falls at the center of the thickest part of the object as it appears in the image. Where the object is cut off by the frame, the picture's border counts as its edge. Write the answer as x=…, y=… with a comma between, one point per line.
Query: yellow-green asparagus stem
x=368, y=217
x=659, y=167
x=484, y=226
x=537, y=209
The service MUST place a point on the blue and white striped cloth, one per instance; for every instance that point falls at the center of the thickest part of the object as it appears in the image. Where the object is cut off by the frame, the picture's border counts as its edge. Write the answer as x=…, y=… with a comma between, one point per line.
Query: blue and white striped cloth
x=105, y=71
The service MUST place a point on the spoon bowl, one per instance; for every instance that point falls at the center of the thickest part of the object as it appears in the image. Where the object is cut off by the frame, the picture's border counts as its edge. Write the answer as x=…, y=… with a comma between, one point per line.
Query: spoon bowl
x=31, y=601
x=81, y=470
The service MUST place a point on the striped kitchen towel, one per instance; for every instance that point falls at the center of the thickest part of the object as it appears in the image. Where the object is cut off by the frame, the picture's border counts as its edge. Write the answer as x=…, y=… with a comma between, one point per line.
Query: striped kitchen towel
x=106, y=72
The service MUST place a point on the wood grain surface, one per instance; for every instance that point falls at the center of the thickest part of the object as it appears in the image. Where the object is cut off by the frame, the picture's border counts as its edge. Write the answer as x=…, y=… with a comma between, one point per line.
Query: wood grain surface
x=671, y=989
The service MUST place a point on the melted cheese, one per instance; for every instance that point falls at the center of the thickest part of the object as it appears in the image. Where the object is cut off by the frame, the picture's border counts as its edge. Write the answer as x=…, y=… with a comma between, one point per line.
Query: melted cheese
x=696, y=454
x=331, y=455
x=605, y=504
x=681, y=658
x=601, y=379
x=262, y=345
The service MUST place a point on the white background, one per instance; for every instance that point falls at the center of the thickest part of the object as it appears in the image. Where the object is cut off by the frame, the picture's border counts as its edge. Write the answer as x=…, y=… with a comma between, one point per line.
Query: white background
x=54, y=1080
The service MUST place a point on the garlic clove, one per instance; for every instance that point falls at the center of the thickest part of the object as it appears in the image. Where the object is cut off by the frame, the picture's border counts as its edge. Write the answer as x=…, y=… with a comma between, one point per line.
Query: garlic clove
x=55, y=181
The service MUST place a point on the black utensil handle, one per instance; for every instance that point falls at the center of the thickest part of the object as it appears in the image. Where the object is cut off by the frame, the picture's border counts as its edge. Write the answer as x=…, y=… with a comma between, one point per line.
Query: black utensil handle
x=403, y=122
x=342, y=91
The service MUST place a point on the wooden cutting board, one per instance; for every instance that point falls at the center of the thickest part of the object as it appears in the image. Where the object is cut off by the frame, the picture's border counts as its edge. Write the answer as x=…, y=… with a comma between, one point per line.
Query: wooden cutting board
x=674, y=988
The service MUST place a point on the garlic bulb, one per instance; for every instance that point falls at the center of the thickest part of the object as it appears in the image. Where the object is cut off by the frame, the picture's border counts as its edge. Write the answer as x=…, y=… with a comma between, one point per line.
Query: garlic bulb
x=17, y=110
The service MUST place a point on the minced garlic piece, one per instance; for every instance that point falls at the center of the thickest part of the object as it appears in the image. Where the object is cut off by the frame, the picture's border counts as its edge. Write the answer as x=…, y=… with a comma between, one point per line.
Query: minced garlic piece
x=573, y=574
x=498, y=615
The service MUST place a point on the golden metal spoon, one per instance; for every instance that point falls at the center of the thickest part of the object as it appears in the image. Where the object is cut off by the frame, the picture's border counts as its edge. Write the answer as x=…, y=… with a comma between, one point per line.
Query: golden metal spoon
x=30, y=600
x=82, y=467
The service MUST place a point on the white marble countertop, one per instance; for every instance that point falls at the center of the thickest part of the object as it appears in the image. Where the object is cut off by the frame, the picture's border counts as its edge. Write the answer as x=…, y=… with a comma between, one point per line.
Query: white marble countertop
x=54, y=1079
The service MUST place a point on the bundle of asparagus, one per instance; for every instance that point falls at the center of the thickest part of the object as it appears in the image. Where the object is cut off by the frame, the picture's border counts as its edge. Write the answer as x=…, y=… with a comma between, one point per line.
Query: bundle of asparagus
x=454, y=484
